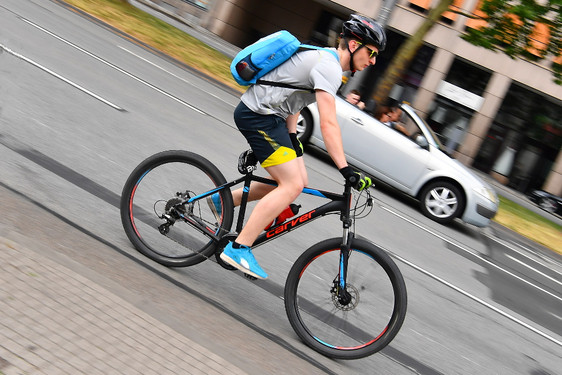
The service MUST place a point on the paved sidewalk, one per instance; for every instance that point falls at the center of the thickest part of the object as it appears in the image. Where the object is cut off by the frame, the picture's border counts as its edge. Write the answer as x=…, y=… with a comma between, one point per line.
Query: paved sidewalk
x=54, y=321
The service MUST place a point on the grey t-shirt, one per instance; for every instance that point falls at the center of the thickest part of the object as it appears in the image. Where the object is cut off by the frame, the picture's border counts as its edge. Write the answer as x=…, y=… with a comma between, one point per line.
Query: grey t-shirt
x=313, y=69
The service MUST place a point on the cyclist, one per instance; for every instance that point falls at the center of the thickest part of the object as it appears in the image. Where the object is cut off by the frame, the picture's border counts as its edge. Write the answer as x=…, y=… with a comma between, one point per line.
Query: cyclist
x=267, y=117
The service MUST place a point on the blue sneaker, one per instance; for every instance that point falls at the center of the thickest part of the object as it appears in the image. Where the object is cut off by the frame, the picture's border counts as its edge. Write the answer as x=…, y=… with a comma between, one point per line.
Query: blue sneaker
x=244, y=260
x=214, y=202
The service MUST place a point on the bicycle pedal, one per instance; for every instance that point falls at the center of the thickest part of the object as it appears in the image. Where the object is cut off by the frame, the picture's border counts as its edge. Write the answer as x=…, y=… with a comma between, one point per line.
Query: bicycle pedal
x=250, y=277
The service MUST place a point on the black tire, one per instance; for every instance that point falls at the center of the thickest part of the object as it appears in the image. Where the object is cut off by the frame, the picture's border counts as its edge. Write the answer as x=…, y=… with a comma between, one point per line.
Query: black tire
x=356, y=330
x=151, y=190
x=442, y=201
x=304, y=126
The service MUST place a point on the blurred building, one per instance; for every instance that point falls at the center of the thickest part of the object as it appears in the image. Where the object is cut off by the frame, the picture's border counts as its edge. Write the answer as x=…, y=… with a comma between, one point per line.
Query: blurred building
x=498, y=115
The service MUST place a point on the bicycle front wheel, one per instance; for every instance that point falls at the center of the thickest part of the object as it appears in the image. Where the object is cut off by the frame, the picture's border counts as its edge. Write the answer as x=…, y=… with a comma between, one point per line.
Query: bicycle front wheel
x=157, y=219
x=346, y=328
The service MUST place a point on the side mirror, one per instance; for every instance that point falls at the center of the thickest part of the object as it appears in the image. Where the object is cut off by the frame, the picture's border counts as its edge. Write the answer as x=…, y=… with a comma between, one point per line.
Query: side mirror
x=421, y=141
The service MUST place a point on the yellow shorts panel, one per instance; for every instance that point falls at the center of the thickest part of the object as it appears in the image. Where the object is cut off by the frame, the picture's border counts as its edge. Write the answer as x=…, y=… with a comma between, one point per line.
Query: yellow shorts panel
x=281, y=155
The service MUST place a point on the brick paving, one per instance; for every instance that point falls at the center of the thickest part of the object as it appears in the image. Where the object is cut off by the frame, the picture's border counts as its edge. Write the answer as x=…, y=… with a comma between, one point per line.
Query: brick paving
x=54, y=321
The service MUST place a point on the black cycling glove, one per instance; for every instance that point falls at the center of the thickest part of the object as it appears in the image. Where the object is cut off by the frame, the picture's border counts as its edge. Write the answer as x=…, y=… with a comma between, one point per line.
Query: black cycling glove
x=297, y=145
x=357, y=180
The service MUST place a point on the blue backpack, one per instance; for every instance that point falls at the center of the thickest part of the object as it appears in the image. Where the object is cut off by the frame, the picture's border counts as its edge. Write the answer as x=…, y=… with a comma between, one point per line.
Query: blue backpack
x=261, y=57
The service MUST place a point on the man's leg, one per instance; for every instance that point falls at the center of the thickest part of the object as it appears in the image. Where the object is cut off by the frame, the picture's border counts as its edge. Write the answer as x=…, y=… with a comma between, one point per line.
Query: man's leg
x=259, y=190
x=269, y=138
x=290, y=184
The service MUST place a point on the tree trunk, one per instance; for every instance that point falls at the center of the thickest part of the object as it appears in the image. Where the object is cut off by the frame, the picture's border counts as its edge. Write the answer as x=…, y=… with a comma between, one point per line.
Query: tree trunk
x=407, y=52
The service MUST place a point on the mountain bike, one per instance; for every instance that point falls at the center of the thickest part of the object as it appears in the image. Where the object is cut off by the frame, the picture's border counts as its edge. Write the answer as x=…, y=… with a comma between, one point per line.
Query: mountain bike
x=344, y=296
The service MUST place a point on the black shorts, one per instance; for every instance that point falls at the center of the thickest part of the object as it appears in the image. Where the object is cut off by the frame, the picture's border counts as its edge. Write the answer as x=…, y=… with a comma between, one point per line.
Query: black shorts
x=267, y=135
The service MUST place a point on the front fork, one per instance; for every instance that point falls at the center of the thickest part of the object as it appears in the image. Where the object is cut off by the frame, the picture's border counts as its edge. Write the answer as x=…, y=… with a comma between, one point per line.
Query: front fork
x=340, y=284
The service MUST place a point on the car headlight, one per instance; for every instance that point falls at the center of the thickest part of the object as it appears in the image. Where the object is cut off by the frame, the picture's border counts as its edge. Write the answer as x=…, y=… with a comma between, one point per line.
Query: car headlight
x=487, y=193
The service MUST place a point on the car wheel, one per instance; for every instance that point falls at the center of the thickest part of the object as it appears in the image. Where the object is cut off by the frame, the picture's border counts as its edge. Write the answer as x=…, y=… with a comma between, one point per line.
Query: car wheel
x=547, y=204
x=441, y=201
x=304, y=126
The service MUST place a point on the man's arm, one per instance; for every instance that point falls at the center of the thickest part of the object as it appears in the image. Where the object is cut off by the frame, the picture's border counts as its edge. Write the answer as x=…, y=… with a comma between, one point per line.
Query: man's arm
x=330, y=128
x=292, y=122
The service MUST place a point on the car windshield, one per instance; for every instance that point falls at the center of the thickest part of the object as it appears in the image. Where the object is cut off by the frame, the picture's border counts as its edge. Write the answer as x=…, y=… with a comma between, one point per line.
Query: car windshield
x=412, y=122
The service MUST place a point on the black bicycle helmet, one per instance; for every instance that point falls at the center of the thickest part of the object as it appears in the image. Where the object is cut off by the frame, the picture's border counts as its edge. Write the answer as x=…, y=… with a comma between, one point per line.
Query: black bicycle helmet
x=365, y=30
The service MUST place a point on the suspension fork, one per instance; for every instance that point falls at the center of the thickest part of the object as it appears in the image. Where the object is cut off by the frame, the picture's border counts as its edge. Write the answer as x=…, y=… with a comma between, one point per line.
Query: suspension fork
x=345, y=250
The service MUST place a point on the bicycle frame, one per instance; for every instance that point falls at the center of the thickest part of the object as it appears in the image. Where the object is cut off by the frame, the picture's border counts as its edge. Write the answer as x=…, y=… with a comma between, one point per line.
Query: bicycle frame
x=338, y=203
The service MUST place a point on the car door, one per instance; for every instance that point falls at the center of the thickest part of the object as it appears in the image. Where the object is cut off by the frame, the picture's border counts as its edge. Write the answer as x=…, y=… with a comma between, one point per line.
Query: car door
x=379, y=149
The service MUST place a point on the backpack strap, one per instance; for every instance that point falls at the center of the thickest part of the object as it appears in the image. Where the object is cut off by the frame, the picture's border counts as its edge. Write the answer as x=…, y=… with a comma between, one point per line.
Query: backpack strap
x=303, y=47
x=284, y=85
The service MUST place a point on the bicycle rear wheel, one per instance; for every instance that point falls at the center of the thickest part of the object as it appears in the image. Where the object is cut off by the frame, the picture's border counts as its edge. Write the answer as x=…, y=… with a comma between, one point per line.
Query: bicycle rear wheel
x=155, y=217
x=356, y=328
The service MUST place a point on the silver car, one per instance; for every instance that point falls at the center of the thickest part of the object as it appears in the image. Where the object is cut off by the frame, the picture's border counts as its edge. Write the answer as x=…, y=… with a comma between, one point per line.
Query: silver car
x=415, y=163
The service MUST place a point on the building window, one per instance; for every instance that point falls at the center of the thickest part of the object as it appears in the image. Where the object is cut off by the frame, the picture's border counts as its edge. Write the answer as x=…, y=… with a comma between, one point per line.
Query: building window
x=524, y=139
x=539, y=40
x=420, y=5
x=457, y=99
x=448, y=17
x=475, y=23
x=451, y=16
x=468, y=76
x=327, y=29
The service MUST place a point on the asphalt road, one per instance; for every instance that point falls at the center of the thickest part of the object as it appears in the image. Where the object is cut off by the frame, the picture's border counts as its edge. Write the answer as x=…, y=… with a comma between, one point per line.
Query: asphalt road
x=82, y=106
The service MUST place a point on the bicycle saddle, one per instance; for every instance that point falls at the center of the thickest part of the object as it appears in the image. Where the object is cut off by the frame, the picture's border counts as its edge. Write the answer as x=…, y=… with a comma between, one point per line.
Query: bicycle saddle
x=247, y=162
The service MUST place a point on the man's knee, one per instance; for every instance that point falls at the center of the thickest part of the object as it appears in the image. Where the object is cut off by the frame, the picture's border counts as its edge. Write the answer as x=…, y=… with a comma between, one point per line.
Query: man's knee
x=292, y=188
x=303, y=176
x=299, y=186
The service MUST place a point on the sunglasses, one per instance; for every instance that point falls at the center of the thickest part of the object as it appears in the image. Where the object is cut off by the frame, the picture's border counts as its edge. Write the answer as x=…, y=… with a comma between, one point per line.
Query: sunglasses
x=372, y=52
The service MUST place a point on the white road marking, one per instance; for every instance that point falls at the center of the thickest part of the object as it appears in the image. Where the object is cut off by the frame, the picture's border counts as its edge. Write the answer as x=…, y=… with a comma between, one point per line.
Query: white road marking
x=115, y=67
x=465, y=293
x=515, y=250
x=534, y=269
x=174, y=75
x=476, y=255
x=75, y=85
